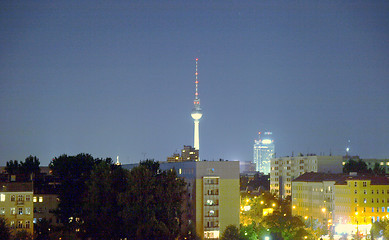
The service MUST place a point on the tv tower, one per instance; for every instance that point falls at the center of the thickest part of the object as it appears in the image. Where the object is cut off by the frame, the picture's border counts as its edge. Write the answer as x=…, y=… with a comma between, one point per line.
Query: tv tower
x=196, y=112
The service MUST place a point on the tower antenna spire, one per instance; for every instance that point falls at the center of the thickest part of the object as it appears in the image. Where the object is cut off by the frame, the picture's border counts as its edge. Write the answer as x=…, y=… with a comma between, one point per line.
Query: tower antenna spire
x=197, y=81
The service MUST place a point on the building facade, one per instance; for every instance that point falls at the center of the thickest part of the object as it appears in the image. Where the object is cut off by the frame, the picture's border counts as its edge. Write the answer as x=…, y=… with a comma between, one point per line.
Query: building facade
x=285, y=169
x=343, y=203
x=263, y=152
x=16, y=205
x=188, y=153
x=213, y=194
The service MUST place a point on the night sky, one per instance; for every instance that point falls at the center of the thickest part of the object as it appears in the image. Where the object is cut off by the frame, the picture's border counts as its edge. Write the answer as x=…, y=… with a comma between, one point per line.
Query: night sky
x=117, y=77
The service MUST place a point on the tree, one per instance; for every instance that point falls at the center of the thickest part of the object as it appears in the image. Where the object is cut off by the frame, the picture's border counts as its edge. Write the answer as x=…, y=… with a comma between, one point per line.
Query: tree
x=285, y=226
x=73, y=172
x=30, y=166
x=12, y=167
x=5, y=232
x=152, y=203
x=41, y=229
x=378, y=170
x=27, y=169
x=230, y=233
x=22, y=235
x=101, y=205
x=355, y=166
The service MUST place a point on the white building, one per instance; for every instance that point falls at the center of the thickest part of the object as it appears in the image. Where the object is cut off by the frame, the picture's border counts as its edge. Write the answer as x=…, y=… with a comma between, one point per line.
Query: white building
x=263, y=152
x=285, y=169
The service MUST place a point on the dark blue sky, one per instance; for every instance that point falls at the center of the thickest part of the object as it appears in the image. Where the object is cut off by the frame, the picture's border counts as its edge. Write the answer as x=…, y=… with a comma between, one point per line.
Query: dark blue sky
x=117, y=77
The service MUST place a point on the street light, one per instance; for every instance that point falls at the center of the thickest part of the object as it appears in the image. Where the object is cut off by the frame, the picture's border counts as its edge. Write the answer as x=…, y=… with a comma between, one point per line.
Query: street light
x=356, y=218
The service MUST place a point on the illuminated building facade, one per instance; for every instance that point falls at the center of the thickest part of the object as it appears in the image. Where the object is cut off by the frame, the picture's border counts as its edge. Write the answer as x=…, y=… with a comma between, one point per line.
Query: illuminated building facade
x=188, y=153
x=263, y=152
x=213, y=194
x=16, y=206
x=285, y=169
x=345, y=203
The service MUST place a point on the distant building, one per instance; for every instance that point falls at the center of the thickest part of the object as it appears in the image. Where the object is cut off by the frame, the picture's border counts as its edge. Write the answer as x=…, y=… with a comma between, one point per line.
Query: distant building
x=263, y=152
x=188, y=153
x=247, y=167
x=213, y=194
x=16, y=205
x=285, y=169
x=343, y=203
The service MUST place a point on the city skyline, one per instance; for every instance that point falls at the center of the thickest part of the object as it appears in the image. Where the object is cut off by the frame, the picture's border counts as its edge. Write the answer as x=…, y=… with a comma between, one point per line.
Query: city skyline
x=116, y=79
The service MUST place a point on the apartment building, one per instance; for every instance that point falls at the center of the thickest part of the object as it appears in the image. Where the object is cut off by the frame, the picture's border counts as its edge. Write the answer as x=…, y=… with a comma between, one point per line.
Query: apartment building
x=16, y=205
x=213, y=194
x=343, y=203
x=285, y=169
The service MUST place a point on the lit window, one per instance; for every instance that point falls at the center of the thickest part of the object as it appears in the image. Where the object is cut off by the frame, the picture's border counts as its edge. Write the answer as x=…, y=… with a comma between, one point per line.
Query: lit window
x=364, y=200
x=20, y=224
x=211, y=213
x=383, y=209
x=34, y=199
x=12, y=224
x=40, y=199
x=12, y=211
x=28, y=211
x=372, y=209
x=28, y=198
x=364, y=191
x=27, y=224
x=2, y=197
x=20, y=211
x=13, y=198
x=2, y=211
x=210, y=202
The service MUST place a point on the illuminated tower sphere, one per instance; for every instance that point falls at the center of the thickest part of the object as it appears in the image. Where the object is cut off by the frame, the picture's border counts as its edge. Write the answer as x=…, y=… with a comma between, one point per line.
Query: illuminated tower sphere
x=263, y=152
x=196, y=113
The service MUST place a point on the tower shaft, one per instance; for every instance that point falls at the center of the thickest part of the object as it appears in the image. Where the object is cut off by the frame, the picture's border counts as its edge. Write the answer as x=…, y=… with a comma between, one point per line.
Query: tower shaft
x=196, y=135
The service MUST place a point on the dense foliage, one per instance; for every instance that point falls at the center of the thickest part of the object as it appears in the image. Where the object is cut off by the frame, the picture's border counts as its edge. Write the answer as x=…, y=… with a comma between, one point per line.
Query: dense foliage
x=27, y=169
x=100, y=200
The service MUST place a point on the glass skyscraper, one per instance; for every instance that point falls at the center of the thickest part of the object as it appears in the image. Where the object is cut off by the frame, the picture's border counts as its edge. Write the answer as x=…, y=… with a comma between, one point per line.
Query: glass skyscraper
x=263, y=152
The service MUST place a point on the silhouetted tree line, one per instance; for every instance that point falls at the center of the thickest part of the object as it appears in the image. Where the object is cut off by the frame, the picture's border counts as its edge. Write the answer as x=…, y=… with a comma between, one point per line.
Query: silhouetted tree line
x=26, y=170
x=361, y=167
x=101, y=200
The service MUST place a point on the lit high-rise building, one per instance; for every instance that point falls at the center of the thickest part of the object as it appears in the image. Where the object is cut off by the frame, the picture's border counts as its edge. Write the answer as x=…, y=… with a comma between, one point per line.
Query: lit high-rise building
x=196, y=113
x=263, y=152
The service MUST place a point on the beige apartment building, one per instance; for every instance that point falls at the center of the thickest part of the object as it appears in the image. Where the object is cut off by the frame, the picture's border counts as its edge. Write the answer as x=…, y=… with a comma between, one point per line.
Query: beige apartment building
x=285, y=169
x=16, y=205
x=213, y=194
x=343, y=203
